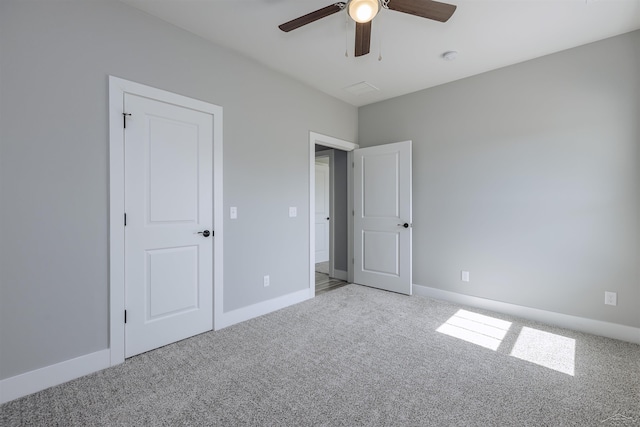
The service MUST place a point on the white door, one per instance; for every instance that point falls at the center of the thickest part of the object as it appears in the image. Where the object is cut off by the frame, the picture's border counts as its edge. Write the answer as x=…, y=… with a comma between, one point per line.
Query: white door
x=322, y=212
x=382, y=217
x=168, y=205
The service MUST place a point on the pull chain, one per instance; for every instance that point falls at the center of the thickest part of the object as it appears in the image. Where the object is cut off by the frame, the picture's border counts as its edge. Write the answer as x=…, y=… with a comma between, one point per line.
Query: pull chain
x=346, y=36
x=380, y=34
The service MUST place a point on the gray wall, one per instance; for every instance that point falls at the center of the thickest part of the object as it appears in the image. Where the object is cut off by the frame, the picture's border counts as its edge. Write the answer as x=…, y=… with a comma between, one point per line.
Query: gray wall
x=55, y=59
x=529, y=178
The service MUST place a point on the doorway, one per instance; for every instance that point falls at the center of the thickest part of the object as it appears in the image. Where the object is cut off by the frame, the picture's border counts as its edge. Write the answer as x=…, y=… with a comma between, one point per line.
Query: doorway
x=331, y=219
x=154, y=242
x=330, y=223
x=324, y=194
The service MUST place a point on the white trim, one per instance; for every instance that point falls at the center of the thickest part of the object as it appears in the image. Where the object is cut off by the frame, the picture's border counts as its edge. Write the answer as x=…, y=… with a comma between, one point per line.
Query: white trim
x=591, y=326
x=218, y=221
x=49, y=376
x=350, y=208
x=117, y=88
x=116, y=226
x=339, y=144
x=259, y=309
x=331, y=142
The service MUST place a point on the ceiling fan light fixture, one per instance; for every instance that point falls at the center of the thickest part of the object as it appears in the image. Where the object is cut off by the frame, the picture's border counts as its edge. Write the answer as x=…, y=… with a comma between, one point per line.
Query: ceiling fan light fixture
x=363, y=11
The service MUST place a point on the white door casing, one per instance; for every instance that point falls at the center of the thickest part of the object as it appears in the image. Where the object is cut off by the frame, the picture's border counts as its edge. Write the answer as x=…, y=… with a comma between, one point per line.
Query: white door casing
x=322, y=212
x=168, y=201
x=339, y=144
x=166, y=210
x=382, y=217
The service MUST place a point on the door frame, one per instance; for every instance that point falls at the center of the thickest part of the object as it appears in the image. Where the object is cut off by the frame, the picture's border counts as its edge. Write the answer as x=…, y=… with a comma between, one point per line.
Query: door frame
x=117, y=88
x=338, y=144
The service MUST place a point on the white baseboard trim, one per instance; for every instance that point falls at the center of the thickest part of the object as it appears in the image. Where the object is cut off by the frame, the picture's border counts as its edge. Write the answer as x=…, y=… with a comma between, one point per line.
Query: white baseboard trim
x=582, y=324
x=340, y=274
x=49, y=376
x=261, y=308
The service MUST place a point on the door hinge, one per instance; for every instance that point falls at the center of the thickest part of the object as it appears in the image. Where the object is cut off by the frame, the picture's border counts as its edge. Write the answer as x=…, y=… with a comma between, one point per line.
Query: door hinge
x=125, y=316
x=353, y=213
x=125, y=219
x=353, y=260
x=353, y=164
x=124, y=119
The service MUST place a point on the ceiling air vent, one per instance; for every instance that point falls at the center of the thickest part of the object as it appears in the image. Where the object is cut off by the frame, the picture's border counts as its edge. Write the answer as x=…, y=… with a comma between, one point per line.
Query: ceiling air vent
x=361, y=88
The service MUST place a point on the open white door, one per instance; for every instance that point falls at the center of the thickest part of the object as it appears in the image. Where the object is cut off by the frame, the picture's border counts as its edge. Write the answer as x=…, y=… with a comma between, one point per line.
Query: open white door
x=382, y=217
x=169, y=219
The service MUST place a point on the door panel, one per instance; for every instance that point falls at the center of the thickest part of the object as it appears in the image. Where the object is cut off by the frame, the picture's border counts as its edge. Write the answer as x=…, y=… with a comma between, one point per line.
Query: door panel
x=380, y=179
x=382, y=206
x=168, y=200
x=381, y=252
x=165, y=268
x=173, y=179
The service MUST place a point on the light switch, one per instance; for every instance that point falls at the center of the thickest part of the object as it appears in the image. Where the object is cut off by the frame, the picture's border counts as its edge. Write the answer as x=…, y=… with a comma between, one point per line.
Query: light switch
x=233, y=212
x=293, y=212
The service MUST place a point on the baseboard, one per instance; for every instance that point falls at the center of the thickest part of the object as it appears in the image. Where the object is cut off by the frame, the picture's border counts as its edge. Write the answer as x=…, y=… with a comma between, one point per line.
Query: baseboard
x=49, y=376
x=582, y=324
x=340, y=274
x=259, y=309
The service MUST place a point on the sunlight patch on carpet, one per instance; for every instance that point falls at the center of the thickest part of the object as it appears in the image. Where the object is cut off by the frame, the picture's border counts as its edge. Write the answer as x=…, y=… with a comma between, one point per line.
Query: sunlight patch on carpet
x=546, y=349
x=485, y=331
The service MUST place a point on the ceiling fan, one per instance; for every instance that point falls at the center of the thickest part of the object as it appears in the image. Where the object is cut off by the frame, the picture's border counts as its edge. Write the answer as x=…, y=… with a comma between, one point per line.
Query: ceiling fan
x=363, y=12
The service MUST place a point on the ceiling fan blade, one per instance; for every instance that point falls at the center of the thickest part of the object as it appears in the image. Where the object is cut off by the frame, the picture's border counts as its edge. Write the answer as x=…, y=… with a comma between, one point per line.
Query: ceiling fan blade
x=311, y=17
x=363, y=38
x=424, y=8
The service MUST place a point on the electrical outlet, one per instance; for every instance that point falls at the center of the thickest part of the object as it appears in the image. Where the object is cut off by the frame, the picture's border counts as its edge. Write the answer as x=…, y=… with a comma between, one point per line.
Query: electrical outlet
x=293, y=212
x=611, y=298
x=464, y=276
x=265, y=281
x=233, y=212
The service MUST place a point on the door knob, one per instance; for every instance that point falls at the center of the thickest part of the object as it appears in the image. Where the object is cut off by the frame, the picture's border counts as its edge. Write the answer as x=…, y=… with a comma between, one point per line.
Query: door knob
x=205, y=233
x=327, y=218
x=405, y=225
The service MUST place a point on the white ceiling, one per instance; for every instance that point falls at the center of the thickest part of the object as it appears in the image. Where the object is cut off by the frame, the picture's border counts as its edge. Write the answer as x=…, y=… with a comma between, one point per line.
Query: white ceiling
x=487, y=35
